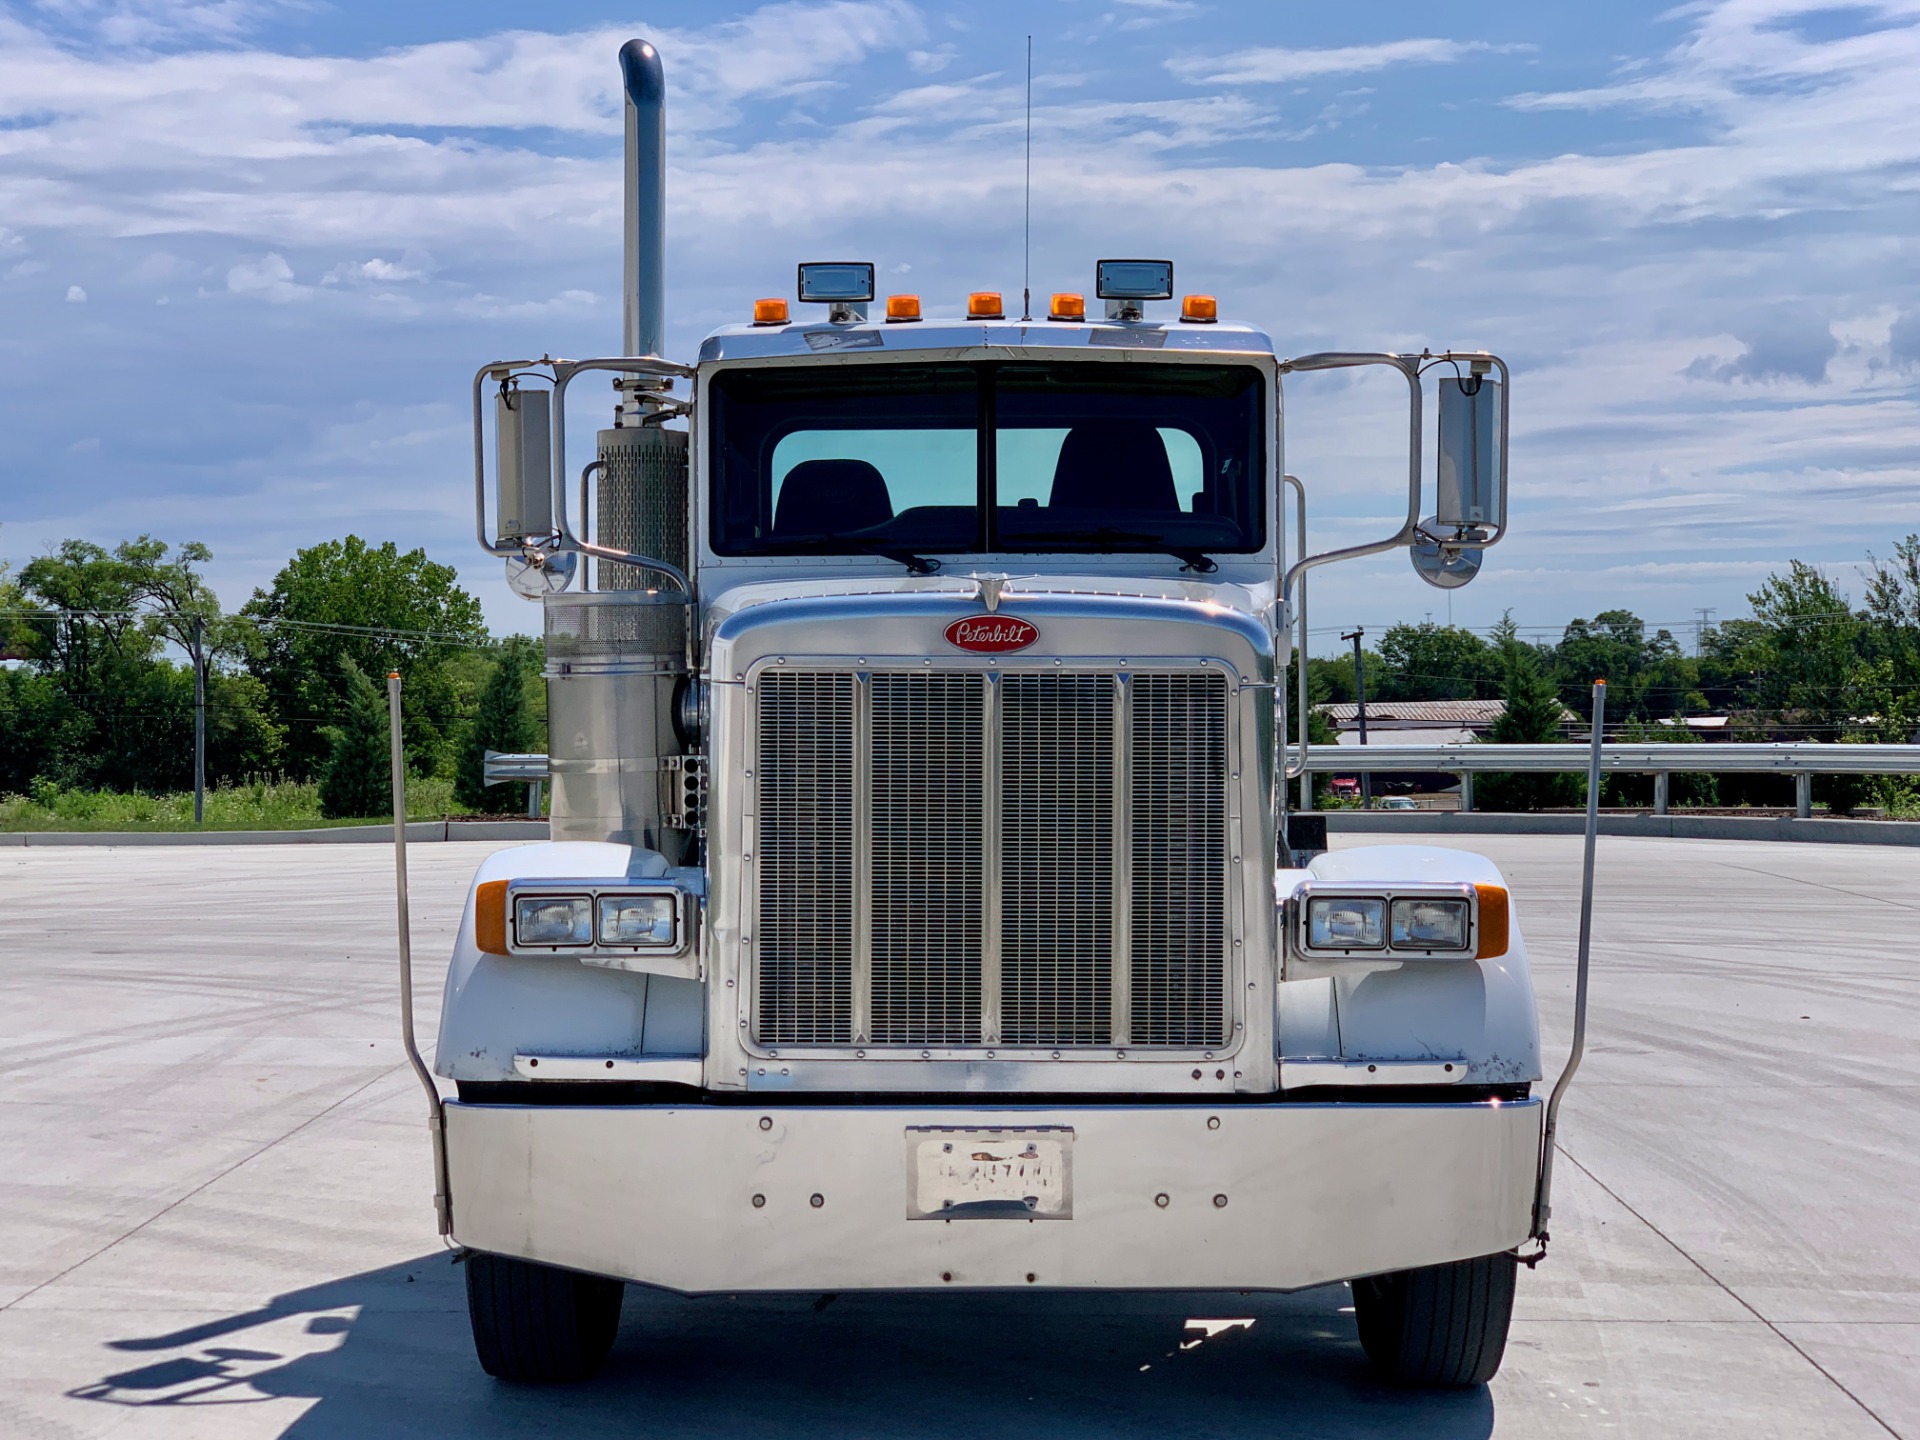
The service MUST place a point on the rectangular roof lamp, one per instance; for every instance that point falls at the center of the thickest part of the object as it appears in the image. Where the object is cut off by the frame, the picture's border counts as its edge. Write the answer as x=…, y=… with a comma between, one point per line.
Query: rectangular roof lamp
x=1133, y=279
x=837, y=282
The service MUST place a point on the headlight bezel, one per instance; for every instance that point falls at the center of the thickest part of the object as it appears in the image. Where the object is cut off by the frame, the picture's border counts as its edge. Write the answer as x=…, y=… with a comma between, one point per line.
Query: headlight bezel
x=1302, y=905
x=592, y=893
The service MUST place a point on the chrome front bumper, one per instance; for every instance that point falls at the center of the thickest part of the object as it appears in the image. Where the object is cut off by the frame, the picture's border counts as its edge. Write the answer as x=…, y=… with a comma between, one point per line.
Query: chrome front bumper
x=1277, y=1197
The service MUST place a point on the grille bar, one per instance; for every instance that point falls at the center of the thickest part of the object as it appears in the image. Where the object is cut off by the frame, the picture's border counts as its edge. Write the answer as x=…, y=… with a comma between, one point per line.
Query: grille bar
x=966, y=858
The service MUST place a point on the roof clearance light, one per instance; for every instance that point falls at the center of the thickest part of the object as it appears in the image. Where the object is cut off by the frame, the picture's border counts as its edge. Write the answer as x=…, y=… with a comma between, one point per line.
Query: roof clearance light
x=836, y=281
x=1199, y=310
x=770, y=312
x=1133, y=279
x=903, y=307
x=1068, y=307
x=985, y=305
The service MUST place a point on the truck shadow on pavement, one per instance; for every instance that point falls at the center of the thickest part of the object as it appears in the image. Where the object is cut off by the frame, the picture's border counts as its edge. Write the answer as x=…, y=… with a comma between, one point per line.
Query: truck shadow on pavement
x=387, y=1353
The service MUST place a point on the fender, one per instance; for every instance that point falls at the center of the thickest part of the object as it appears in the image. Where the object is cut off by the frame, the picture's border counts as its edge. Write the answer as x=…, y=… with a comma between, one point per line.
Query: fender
x=1481, y=1011
x=497, y=1006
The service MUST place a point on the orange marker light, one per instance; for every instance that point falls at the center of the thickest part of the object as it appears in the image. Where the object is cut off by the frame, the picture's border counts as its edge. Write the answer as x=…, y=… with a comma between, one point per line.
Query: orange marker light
x=1493, y=922
x=1068, y=307
x=1199, y=310
x=903, y=307
x=490, y=917
x=770, y=312
x=985, y=305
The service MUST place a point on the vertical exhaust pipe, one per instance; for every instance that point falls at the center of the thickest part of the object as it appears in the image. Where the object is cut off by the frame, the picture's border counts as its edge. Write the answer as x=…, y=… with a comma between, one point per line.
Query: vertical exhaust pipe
x=644, y=288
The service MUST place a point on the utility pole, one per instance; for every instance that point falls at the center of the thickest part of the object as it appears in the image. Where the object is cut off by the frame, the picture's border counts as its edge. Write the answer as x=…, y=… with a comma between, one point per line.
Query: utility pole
x=1360, y=694
x=199, y=719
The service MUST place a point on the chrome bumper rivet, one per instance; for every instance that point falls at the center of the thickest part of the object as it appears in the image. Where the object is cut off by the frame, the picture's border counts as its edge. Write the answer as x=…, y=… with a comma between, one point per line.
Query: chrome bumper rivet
x=1219, y=1202
x=816, y=1200
x=1161, y=1199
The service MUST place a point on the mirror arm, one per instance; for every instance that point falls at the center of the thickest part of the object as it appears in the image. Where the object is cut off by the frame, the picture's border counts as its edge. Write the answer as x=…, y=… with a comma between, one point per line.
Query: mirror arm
x=564, y=372
x=1290, y=769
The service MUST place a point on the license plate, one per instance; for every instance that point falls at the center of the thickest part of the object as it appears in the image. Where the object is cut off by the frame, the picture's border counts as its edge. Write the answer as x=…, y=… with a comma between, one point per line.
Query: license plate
x=1012, y=1174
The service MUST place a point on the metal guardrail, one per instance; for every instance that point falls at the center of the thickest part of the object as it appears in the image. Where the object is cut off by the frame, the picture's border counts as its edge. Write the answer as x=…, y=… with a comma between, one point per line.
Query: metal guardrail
x=1802, y=760
x=504, y=766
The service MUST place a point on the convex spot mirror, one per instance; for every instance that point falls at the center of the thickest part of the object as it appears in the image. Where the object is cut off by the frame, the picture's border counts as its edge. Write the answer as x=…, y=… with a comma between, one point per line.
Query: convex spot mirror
x=1472, y=455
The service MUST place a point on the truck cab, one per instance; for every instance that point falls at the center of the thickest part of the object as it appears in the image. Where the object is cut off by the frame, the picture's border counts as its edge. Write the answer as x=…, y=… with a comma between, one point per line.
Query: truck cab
x=920, y=912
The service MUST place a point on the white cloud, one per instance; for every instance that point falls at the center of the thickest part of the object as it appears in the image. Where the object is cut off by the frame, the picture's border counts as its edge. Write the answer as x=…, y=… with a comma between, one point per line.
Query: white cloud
x=76, y=296
x=1278, y=64
x=269, y=277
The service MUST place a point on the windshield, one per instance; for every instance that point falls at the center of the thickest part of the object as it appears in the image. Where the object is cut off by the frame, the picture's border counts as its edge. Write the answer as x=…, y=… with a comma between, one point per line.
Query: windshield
x=973, y=458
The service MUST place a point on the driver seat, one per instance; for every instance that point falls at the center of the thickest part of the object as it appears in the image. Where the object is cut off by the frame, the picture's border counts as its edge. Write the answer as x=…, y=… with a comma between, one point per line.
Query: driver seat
x=1114, y=465
x=831, y=497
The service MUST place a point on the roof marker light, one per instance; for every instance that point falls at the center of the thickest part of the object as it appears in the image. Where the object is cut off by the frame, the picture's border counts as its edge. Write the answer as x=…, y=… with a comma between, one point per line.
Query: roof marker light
x=985, y=305
x=770, y=312
x=903, y=307
x=1068, y=307
x=1199, y=310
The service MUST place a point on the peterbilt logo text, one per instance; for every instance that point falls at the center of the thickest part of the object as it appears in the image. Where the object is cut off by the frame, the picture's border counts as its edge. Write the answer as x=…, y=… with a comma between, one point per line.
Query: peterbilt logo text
x=992, y=634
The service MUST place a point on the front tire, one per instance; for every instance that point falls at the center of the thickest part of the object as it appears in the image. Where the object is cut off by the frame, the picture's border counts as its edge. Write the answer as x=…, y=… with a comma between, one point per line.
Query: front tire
x=537, y=1324
x=1440, y=1325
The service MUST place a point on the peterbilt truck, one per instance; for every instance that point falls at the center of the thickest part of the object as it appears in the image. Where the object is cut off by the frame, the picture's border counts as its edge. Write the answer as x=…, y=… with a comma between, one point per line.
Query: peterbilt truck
x=922, y=909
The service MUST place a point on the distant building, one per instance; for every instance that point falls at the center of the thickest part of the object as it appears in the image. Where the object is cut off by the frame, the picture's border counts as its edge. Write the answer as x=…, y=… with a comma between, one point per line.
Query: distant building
x=1417, y=722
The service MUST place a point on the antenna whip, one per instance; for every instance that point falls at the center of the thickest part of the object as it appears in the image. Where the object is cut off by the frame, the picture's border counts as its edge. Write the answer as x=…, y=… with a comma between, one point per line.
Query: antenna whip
x=1026, y=273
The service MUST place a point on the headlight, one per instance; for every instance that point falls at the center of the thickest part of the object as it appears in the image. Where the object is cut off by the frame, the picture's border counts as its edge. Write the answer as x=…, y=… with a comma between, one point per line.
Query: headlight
x=650, y=920
x=1421, y=924
x=1340, y=922
x=553, y=920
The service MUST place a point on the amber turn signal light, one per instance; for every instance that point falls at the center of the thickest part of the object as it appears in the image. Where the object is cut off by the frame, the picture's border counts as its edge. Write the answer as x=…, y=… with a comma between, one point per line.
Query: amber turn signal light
x=490, y=917
x=770, y=312
x=1068, y=307
x=1493, y=922
x=1199, y=310
x=985, y=305
x=903, y=307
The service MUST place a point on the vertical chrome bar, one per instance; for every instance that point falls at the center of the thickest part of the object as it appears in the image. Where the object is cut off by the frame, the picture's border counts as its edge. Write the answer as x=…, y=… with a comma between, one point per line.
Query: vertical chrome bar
x=863, y=859
x=1300, y=647
x=644, y=270
x=436, y=1113
x=990, y=861
x=1122, y=977
x=1541, y=1206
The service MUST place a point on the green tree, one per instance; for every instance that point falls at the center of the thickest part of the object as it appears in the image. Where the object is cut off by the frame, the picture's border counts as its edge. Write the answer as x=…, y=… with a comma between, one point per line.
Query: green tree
x=1533, y=716
x=504, y=719
x=381, y=609
x=1436, y=662
x=100, y=623
x=357, y=780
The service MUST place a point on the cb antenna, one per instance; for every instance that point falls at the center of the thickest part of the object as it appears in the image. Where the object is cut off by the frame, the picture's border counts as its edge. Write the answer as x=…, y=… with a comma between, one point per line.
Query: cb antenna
x=1026, y=273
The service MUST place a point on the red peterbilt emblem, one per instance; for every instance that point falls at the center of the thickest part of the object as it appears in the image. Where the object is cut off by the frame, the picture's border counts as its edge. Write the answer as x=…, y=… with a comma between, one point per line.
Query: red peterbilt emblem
x=992, y=634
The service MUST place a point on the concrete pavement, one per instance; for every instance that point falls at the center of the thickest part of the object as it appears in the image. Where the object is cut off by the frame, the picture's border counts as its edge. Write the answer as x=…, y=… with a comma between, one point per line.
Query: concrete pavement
x=215, y=1219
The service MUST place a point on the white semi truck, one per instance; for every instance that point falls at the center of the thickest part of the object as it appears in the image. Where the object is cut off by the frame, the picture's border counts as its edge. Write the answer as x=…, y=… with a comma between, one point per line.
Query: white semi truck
x=922, y=911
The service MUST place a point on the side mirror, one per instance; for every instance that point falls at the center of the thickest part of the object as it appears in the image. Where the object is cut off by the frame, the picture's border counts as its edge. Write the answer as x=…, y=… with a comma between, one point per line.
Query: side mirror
x=1473, y=455
x=524, y=456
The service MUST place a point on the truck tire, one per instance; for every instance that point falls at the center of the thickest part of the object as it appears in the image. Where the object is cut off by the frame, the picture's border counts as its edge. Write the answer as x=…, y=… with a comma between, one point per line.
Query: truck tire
x=1440, y=1325
x=537, y=1324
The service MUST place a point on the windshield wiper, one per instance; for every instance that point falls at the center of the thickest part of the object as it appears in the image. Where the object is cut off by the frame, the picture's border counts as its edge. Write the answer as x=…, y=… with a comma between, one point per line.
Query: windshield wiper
x=852, y=545
x=1190, y=557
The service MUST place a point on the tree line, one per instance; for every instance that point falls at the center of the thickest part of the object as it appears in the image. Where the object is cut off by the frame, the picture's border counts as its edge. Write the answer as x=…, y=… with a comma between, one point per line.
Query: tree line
x=1807, y=664
x=103, y=644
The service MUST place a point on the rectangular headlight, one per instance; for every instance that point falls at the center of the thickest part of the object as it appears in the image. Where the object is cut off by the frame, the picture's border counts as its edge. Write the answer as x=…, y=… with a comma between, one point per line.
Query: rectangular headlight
x=1343, y=922
x=553, y=920
x=647, y=920
x=1430, y=924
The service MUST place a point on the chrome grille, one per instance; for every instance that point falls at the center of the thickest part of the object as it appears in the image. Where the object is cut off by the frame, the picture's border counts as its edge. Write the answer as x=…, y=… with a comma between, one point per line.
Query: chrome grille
x=1056, y=860
x=1018, y=858
x=928, y=858
x=806, y=856
x=1179, y=787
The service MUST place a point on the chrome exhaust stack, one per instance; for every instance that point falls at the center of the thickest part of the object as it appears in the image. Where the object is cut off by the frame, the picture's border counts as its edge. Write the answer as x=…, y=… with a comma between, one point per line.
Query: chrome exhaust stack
x=643, y=290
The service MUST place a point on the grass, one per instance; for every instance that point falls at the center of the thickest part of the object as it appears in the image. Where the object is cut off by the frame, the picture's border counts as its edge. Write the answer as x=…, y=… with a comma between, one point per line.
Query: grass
x=257, y=804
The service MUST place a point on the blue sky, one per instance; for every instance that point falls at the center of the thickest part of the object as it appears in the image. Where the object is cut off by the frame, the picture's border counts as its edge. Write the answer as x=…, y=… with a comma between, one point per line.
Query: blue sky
x=251, y=252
